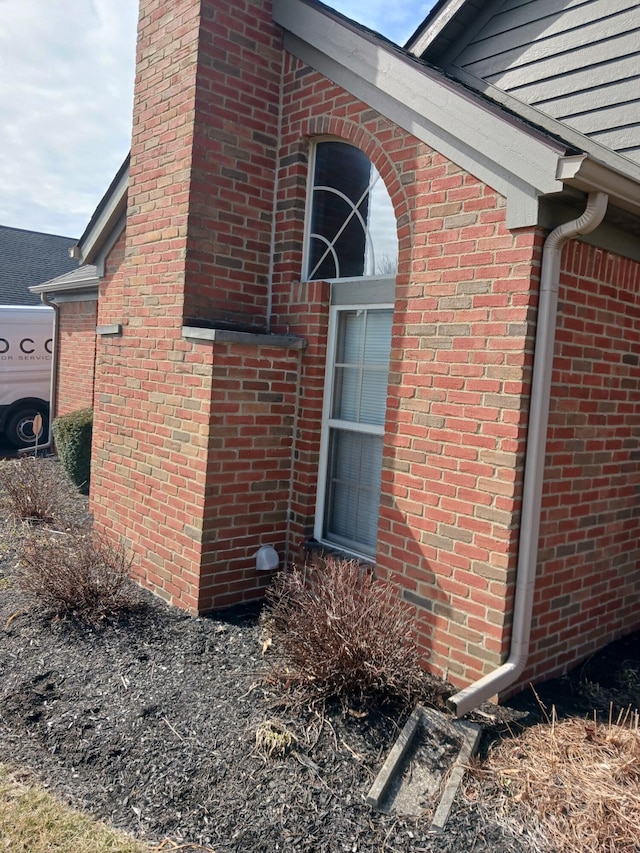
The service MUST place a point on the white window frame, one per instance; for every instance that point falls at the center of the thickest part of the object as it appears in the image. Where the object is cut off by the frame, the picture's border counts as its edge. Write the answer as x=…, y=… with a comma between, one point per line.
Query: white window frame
x=328, y=422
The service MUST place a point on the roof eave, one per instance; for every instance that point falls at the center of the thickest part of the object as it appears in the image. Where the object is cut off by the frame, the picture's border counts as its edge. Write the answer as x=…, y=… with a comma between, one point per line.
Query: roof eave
x=84, y=278
x=517, y=160
x=432, y=26
x=67, y=287
x=110, y=213
x=584, y=173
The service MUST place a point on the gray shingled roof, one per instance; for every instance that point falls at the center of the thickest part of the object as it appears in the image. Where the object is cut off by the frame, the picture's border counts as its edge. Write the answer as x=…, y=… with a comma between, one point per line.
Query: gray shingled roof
x=28, y=258
x=81, y=278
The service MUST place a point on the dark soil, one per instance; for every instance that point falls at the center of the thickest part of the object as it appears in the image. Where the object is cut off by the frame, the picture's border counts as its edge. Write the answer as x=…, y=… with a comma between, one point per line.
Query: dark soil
x=151, y=723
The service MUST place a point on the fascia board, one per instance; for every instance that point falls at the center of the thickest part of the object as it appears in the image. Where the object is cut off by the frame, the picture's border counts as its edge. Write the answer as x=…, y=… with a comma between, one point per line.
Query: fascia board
x=108, y=242
x=52, y=287
x=487, y=143
x=110, y=217
x=573, y=138
x=421, y=41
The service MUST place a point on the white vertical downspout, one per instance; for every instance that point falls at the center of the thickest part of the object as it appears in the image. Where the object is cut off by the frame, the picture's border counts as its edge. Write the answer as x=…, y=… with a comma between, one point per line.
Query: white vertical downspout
x=504, y=676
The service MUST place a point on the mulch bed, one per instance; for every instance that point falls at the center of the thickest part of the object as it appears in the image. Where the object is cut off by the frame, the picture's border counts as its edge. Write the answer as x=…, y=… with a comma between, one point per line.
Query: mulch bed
x=151, y=723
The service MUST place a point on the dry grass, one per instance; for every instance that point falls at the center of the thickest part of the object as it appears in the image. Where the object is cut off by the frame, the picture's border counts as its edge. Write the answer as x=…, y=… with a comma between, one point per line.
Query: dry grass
x=338, y=632
x=33, y=821
x=273, y=739
x=571, y=785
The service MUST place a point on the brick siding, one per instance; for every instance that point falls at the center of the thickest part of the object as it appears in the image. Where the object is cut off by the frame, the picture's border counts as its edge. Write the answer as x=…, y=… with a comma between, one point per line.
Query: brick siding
x=203, y=451
x=462, y=344
x=174, y=473
x=587, y=591
x=76, y=356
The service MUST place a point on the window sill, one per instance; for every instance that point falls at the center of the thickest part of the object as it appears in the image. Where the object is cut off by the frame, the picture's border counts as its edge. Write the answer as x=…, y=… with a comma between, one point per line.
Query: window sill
x=315, y=551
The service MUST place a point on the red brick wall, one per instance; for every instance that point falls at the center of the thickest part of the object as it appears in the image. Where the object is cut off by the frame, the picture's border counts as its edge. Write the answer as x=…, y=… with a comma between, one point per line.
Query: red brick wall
x=588, y=586
x=249, y=470
x=308, y=307
x=204, y=451
x=458, y=402
x=150, y=438
x=233, y=163
x=461, y=356
x=76, y=356
x=169, y=471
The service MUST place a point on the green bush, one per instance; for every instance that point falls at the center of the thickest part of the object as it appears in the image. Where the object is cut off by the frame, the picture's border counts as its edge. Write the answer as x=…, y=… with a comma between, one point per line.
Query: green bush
x=72, y=434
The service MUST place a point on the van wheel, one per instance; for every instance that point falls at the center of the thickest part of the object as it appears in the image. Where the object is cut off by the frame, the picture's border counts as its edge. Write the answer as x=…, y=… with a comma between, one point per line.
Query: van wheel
x=19, y=427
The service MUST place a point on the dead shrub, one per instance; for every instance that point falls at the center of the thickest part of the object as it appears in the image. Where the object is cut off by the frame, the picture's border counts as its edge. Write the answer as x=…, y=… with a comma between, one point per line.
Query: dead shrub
x=339, y=632
x=80, y=576
x=30, y=490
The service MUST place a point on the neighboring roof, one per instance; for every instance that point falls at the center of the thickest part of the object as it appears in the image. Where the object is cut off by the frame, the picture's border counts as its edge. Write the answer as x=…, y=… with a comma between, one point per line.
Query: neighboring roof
x=80, y=279
x=28, y=258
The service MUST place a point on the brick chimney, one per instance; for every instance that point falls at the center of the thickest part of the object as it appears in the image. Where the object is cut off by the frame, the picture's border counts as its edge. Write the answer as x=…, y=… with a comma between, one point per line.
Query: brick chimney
x=205, y=130
x=197, y=253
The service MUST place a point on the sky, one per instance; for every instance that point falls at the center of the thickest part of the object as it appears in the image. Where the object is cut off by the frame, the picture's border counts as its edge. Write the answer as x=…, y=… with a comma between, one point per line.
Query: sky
x=66, y=93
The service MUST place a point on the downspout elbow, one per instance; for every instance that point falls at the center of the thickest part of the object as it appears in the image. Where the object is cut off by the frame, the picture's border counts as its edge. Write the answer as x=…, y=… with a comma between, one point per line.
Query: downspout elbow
x=508, y=673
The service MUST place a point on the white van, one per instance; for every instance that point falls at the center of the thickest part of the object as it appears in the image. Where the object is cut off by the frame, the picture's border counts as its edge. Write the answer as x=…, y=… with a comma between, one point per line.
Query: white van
x=26, y=338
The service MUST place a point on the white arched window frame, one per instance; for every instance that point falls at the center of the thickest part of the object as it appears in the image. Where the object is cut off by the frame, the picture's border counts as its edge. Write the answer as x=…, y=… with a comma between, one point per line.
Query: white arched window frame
x=359, y=343
x=351, y=229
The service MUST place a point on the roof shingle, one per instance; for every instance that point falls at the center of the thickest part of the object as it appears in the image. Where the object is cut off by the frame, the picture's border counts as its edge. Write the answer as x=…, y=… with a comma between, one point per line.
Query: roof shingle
x=28, y=258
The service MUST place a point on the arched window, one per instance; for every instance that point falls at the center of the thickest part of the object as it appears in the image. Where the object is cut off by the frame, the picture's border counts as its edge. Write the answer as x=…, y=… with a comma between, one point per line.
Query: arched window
x=352, y=228
x=352, y=241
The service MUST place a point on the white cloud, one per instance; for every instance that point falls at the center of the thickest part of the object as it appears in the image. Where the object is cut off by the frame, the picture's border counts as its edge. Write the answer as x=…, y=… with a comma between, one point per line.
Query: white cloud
x=66, y=88
x=66, y=92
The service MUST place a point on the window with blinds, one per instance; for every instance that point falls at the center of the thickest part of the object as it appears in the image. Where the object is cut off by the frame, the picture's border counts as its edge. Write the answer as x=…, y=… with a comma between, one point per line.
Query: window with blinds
x=352, y=242
x=356, y=426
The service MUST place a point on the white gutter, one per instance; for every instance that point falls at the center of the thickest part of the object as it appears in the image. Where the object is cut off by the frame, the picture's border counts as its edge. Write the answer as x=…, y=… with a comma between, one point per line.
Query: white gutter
x=588, y=175
x=504, y=676
x=71, y=286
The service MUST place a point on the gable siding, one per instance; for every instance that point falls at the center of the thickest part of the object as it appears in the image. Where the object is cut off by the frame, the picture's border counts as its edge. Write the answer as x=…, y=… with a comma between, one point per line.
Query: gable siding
x=577, y=61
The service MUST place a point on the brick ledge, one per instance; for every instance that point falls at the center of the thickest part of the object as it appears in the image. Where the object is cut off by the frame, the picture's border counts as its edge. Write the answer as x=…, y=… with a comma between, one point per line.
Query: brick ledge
x=227, y=336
